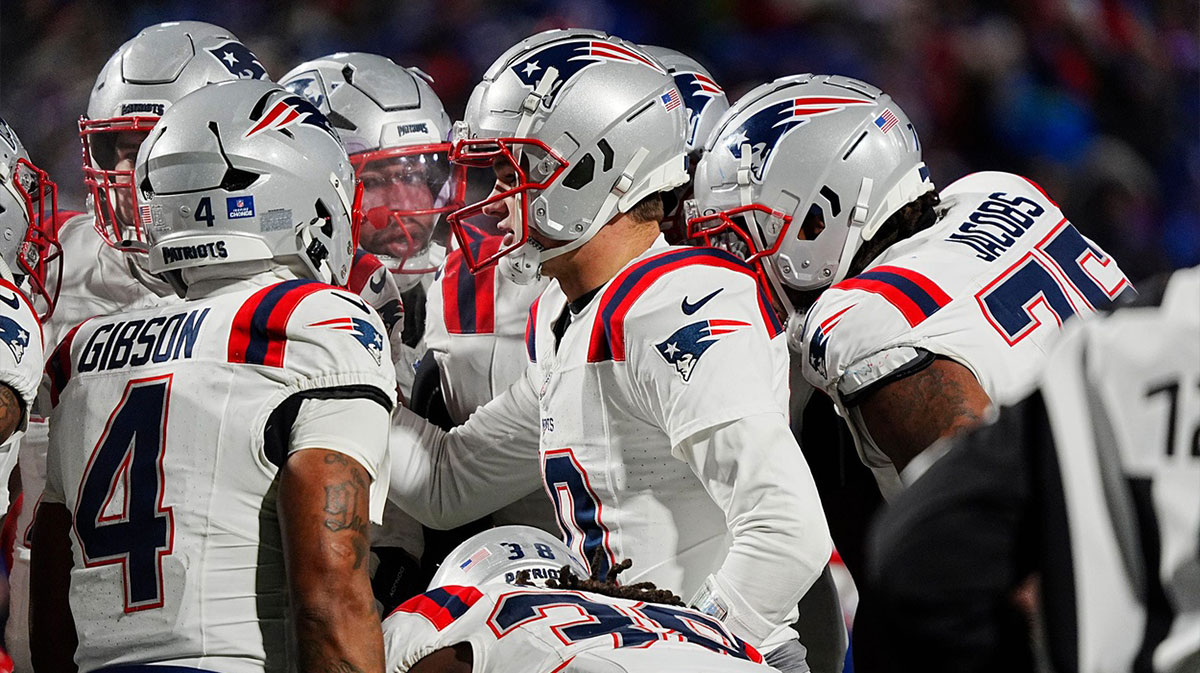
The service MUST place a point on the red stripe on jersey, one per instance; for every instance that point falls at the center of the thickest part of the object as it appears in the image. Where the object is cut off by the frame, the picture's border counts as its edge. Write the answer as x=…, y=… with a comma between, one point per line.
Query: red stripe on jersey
x=921, y=281
x=364, y=266
x=608, y=331
x=1040, y=190
x=531, y=330
x=259, y=331
x=441, y=606
x=469, y=300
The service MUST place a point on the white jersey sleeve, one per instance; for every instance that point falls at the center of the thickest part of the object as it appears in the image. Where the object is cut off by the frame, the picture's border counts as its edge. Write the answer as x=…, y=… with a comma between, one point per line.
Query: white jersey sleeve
x=701, y=329
x=22, y=357
x=446, y=479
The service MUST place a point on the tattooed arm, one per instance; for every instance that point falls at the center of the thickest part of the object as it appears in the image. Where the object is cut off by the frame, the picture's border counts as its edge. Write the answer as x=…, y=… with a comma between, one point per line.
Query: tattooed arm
x=907, y=415
x=323, y=505
x=12, y=410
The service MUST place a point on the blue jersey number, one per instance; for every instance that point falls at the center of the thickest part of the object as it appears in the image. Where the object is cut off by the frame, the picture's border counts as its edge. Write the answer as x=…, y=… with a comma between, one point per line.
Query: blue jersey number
x=629, y=626
x=120, y=517
x=577, y=507
x=1059, y=267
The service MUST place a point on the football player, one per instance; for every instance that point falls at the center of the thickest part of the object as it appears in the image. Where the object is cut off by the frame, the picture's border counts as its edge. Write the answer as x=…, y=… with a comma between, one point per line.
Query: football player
x=104, y=263
x=213, y=464
x=915, y=311
x=1091, y=482
x=396, y=130
x=510, y=599
x=657, y=378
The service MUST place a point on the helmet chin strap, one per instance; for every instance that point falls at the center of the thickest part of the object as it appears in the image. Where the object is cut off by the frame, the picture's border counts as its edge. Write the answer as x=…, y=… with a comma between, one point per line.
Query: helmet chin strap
x=529, y=106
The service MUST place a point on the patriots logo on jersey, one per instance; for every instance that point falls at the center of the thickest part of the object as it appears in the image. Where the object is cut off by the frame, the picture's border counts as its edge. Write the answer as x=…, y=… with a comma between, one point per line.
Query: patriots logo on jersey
x=239, y=60
x=288, y=111
x=820, y=339
x=572, y=57
x=697, y=91
x=766, y=128
x=684, y=348
x=362, y=330
x=15, y=336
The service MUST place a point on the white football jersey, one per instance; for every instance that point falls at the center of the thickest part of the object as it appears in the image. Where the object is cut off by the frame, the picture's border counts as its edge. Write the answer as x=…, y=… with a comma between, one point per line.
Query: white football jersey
x=169, y=428
x=628, y=383
x=475, y=328
x=521, y=629
x=989, y=286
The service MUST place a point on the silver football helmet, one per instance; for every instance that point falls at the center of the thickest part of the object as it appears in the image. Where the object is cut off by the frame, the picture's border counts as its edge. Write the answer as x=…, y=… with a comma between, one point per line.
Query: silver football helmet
x=578, y=127
x=28, y=237
x=706, y=102
x=245, y=171
x=802, y=171
x=396, y=131
x=496, y=555
x=139, y=82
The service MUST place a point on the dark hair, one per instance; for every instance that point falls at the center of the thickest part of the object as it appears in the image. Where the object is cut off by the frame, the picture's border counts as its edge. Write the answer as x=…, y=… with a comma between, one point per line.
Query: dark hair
x=913, y=217
x=649, y=209
x=646, y=592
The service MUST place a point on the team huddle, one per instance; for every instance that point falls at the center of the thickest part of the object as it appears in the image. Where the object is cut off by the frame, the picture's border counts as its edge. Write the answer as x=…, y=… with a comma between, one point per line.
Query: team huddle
x=325, y=382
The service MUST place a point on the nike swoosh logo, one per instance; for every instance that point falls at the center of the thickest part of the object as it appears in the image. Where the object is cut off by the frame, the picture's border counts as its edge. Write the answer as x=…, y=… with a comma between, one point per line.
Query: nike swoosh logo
x=357, y=303
x=377, y=287
x=689, y=308
x=12, y=302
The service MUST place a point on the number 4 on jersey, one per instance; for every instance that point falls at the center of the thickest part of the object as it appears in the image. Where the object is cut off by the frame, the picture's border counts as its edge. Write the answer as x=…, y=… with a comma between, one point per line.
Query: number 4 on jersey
x=119, y=517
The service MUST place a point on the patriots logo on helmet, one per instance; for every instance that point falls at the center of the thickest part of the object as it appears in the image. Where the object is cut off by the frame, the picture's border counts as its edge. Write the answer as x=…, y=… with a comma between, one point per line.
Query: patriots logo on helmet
x=362, y=330
x=684, y=348
x=291, y=110
x=239, y=60
x=697, y=91
x=572, y=57
x=15, y=336
x=765, y=128
x=310, y=86
x=820, y=339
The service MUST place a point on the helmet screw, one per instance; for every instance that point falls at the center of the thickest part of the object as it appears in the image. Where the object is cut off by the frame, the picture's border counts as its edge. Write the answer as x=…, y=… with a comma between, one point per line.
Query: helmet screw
x=8, y=234
x=578, y=227
x=786, y=268
x=541, y=211
x=826, y=272
x=185, y=211
x=804, y=264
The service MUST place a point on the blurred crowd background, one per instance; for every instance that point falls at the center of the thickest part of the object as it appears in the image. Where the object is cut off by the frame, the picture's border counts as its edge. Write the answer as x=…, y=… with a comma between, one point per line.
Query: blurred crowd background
x=1096, y=100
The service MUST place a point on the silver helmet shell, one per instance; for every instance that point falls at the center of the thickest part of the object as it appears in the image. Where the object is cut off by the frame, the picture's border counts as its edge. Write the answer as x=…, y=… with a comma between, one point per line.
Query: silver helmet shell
x=143, y=78
x=244, y=171
x=496, y=555
x=28, y=237
x=386, y=114
x=806, y=169
x=596, y=125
